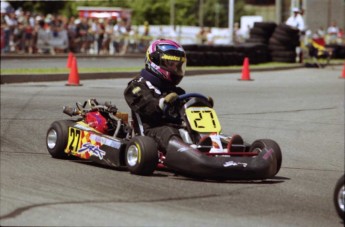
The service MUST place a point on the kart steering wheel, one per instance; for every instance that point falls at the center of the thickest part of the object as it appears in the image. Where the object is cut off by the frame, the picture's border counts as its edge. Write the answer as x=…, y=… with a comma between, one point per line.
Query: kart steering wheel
x=178, y=101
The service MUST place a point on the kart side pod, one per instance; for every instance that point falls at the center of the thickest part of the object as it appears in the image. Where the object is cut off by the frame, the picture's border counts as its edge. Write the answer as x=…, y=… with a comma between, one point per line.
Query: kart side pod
x=188, y=161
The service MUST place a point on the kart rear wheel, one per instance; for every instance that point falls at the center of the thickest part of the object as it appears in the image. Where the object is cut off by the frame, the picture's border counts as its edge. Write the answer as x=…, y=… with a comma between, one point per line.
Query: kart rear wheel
x=261, y=144
x=57, y=137
x=339, y=196
x=142, y=155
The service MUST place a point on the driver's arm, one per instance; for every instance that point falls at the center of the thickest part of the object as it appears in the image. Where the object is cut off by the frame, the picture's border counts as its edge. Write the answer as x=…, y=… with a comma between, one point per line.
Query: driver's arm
x=143, y=100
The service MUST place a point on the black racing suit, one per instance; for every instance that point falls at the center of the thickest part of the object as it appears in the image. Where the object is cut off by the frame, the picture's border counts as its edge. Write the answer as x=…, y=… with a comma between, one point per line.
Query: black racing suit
x=143, y=95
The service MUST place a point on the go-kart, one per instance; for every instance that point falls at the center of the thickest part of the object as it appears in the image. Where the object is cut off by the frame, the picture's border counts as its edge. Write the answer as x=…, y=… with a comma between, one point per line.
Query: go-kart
x=104, y=135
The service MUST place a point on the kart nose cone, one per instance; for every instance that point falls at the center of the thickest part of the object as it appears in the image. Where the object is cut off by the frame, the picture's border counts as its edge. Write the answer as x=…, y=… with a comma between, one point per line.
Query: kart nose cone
x=51, y=139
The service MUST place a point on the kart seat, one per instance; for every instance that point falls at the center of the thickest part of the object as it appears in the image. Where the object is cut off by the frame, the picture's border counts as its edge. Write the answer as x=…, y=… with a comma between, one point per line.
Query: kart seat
x=137, y=124
x=235, y=144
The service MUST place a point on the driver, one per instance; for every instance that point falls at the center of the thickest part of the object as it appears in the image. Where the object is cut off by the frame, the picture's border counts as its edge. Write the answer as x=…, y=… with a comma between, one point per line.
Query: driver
x=155, y=87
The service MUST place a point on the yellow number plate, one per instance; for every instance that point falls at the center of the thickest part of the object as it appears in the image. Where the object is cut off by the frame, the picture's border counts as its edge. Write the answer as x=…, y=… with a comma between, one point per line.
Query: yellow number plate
x=74, y=140
x=203, y=119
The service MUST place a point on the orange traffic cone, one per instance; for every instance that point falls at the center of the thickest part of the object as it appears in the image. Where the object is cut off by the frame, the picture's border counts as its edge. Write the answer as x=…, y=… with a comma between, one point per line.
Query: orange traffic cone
x=69, y=60
x=343, y=72
x=73, y=78
x=245, y=70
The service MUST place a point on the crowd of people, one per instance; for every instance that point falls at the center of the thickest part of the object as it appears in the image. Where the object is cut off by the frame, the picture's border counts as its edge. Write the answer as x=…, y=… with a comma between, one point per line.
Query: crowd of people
x=24, y=32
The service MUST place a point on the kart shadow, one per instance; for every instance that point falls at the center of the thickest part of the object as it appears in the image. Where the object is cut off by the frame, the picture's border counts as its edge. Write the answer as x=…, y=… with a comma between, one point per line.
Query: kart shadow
x=175, y=176
x=90, y=163
x=274, y=180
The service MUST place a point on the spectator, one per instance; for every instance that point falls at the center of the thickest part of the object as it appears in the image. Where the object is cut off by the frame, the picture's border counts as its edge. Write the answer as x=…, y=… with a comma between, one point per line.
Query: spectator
x=123, y=33
x=72, y=34
x=97, y=31
x=340, y=36
x=321, y=32
x=11, y=24
x=209, y=36
x=201, y=36
x=108, y=29
x=145, y=39
x=56, y=25
x=132, y=41
x=296, y=20
x=82, y=35
x=44, y=37
x=332, y=33
x=18, y=38
x=116, y=37
x=146, y=28
x=28, y=33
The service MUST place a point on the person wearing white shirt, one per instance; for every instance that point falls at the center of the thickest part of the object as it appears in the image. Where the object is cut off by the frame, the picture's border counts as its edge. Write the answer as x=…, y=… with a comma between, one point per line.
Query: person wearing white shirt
x=296, y=20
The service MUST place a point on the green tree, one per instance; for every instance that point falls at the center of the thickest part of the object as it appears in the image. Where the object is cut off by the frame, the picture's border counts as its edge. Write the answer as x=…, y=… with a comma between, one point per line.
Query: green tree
x=45, y=7
x=186, y=11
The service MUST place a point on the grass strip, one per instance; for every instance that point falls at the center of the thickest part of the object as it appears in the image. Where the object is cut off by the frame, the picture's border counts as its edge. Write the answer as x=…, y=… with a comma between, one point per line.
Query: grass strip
x=28, y=71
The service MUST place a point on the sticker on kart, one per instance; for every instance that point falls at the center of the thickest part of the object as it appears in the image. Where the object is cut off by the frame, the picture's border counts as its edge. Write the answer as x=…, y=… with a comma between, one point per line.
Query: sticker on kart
x=81, y=144
x=203, y=119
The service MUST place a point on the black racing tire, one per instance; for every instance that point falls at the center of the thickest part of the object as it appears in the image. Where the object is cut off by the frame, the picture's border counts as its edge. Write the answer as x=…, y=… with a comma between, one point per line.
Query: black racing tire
x=257, y=40
x=282, y=33
x=268, y=144
x=258, y=32
x=283, y=59
x=57, y=138
x=141, y=155
x=275, y=47
x=287, y=29
x=284, y=54
x=339, y=196
x=286, y=39
x=267, y=26
x=190, y=47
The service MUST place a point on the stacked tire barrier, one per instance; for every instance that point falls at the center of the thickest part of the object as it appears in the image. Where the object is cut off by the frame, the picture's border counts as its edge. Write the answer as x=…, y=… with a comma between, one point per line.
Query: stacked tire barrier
x=226, y=55
x=268, y=42
x=283, y=42
x=261, y=32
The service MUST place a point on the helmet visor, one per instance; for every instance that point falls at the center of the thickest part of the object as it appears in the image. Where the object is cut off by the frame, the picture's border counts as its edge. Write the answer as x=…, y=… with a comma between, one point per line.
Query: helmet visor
x=174, y=64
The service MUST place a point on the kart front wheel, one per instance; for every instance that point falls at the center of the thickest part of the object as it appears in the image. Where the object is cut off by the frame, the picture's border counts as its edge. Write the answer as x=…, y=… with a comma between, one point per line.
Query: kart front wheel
x=339, y=197
x=142, y=155
x=268, y=144
x=56, y=139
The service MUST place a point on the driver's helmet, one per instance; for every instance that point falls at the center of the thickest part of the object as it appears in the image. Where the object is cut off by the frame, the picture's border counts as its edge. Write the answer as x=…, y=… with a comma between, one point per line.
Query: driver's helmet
x=166, y=60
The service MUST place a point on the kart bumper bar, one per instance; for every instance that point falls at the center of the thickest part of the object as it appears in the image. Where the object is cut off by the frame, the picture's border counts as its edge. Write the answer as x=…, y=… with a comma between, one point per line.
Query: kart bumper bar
x=191, y=162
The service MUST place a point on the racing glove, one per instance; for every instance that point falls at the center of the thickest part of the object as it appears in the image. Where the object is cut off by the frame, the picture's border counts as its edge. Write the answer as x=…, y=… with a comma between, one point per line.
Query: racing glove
x=210, y=100
x=168, y=99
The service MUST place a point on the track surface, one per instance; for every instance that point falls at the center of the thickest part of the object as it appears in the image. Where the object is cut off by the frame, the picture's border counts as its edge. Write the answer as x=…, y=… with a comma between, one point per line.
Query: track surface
x=302, y=109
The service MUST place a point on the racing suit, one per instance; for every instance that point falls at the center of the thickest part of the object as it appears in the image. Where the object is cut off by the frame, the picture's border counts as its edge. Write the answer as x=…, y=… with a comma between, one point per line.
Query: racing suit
x=143, y=95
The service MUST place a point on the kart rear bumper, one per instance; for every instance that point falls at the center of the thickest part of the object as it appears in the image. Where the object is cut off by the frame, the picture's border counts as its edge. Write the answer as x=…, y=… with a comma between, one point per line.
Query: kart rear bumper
x=187, y=161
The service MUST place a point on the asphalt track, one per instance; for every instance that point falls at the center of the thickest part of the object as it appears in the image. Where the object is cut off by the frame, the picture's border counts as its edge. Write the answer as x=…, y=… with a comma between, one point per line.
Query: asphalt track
x=302, y=109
